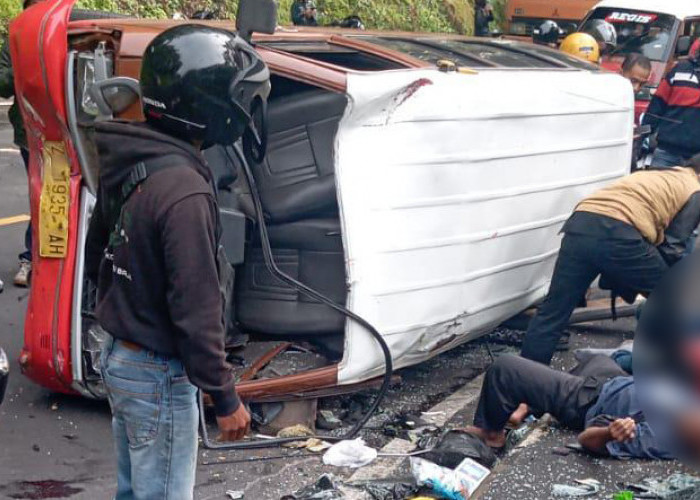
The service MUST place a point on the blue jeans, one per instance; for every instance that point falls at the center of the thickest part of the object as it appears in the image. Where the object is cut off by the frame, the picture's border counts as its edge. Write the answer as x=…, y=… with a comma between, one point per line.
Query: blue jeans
x=154, y=422
x=666, y=159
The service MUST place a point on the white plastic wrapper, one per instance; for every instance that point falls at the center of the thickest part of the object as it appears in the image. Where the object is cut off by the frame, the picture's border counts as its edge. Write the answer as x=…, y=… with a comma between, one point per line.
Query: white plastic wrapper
x=354, y=453
x=458, y=484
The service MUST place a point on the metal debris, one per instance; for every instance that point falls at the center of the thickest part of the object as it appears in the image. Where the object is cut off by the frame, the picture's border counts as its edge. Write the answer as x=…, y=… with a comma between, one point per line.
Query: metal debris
x=585, y=488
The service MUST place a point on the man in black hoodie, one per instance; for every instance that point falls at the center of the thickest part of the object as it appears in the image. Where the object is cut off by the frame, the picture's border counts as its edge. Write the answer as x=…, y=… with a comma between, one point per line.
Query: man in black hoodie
x=152, y=248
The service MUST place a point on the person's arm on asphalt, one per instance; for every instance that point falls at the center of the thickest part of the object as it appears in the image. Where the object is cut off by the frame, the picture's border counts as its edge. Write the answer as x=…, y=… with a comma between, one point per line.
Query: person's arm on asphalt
x=595, y=439
x=194, y=302
x=679, y=231
x=7, y=82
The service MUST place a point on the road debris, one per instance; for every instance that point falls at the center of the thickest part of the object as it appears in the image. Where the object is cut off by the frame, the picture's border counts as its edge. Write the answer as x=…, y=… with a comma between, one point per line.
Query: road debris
x=389, y=490
x=623, y=495
x=234, y=494
x=450, y=450
x=325, y=488
x=584, y=488
x=351, y=453
x=327, y=420
x=312, y=444
x=294, y=431
x=674, y=486
x=457, y=484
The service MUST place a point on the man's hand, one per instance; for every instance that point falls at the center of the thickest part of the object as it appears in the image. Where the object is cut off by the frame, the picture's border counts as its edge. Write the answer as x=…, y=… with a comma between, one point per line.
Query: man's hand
x=623, y=429
x=235, y=426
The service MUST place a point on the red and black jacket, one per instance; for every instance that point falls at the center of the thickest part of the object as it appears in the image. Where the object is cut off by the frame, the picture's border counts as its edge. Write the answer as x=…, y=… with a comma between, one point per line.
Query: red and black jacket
x=674, y=111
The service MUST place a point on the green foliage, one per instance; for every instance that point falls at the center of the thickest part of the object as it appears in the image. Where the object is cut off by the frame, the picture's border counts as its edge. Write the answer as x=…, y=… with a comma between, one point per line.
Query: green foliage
x=451, y=16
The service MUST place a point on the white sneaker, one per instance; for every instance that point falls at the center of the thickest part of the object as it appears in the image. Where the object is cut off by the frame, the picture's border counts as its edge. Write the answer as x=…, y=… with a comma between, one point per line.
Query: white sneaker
x=23, y=275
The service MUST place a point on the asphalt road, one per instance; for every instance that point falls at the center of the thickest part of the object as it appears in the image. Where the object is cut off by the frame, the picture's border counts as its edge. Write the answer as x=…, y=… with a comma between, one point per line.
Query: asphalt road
x=56, y=446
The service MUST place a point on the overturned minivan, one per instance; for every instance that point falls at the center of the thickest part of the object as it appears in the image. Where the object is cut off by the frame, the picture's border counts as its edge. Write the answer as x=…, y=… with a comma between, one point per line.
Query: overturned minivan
x=424, y=196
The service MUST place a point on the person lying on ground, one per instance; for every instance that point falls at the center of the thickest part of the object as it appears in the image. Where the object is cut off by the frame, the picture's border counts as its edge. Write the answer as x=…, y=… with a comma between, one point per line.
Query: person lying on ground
x=597, y=397
x=629, y=233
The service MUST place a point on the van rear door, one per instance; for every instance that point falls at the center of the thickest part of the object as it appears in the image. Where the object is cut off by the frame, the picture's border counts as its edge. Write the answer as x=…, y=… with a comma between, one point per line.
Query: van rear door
x=38, y=43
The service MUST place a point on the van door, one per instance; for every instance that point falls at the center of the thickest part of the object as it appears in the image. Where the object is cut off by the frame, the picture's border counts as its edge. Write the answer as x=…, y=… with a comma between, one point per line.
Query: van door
x=38, y=43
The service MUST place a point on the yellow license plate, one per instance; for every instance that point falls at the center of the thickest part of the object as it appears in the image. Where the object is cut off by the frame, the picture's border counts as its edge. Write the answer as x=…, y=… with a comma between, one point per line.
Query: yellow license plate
x=55, y=201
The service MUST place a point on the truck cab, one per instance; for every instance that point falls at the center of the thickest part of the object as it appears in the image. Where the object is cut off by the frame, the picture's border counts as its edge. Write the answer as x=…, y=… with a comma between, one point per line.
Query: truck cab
x=524, y=16
x=661, y=30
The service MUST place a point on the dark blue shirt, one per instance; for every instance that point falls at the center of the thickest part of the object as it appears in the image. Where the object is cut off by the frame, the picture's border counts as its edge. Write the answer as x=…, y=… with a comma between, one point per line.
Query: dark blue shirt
x=618, y=399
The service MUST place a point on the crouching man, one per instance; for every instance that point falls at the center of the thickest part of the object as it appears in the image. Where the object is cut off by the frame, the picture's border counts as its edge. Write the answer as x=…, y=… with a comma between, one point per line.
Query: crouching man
x=629, y=233
x=597, y=397
x=153, y=249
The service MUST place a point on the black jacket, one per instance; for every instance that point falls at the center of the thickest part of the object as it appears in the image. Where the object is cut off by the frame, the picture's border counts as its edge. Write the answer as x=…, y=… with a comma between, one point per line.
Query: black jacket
x=158, y=283
x=674, y=111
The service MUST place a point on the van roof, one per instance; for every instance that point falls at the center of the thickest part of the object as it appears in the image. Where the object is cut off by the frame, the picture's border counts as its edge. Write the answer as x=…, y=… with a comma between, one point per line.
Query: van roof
x=679, y=8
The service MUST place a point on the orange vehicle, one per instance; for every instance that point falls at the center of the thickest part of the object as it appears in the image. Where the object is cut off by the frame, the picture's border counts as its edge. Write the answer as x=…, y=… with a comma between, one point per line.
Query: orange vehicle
x=526, y=15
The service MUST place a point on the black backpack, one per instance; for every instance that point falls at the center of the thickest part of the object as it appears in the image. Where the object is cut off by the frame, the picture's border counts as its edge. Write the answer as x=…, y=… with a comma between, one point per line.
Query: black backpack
x=113, y=209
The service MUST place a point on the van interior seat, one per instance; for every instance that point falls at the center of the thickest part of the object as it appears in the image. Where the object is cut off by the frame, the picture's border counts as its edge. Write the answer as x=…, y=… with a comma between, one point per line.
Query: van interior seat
x=310, y=251
x=296, y=180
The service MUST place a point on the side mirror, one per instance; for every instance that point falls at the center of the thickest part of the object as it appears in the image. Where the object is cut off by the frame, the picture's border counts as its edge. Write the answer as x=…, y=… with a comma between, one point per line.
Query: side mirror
x=683, y=46
x=256, y=16
x=114, y=95
x=4, y=373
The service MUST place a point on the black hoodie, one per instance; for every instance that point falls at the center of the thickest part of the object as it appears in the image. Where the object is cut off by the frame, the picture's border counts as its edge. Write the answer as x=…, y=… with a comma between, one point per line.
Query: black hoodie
x=159, y=285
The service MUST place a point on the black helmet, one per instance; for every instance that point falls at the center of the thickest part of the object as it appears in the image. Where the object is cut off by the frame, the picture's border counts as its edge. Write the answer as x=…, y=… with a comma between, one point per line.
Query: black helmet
x=603, y=32
x=548, y=32
x=203, y=83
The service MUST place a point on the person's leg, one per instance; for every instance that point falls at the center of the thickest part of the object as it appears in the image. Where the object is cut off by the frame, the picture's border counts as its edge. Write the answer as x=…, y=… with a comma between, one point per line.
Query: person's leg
x=513, y=380
x=25, y=258
x=633, y=264
x=185, y=423
x=573, y=274
x=121, y=440
x=156, y=406
x=666, y=159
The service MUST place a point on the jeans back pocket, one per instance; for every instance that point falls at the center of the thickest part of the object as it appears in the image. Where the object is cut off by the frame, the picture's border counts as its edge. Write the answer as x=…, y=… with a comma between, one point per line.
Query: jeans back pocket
x=136, y=402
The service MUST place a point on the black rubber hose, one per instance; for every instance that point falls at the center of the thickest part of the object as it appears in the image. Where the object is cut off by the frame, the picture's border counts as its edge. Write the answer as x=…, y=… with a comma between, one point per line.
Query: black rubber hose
x=309, y=292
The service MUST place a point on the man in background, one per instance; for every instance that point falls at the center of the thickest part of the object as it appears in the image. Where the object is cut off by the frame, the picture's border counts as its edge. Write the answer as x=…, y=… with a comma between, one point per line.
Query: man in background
x=637, y=69
x=483, y=16
x=304, y=13
x=7, y=90
x=674, y=113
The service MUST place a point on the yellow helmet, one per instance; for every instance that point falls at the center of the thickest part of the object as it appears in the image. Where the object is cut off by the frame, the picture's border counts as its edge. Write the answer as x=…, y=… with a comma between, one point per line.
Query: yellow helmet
x=581, y=45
